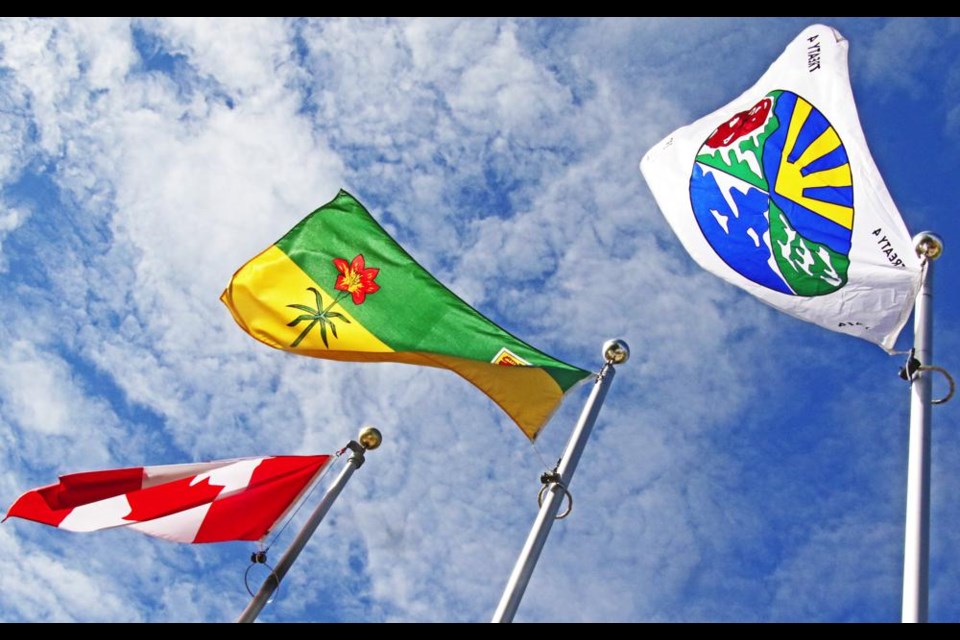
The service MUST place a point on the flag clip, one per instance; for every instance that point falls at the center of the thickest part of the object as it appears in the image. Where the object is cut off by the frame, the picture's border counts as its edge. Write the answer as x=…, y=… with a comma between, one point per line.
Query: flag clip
x=909, y=370
x=913, y=367
x=553, y=478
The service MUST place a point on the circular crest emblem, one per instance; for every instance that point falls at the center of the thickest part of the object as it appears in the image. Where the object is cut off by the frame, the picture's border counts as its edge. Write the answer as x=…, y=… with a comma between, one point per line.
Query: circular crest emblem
x=772, y=192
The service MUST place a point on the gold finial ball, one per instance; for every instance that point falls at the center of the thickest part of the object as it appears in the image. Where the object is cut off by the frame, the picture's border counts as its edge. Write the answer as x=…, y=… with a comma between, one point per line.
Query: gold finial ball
x=928, y=245
x=370, y=438
x=615, y=351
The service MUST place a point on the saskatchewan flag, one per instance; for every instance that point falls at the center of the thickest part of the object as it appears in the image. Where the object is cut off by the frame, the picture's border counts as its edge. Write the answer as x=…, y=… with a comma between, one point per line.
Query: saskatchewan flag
x=337, y=286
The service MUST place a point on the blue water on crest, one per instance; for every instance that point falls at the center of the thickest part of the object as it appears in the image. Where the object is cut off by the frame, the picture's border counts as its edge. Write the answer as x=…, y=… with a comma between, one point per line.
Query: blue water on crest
x=734, y=245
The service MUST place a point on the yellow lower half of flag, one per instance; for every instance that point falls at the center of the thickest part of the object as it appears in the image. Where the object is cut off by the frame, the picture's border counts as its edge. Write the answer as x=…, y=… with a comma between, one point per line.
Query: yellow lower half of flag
x=259, y=295
x=528, y=394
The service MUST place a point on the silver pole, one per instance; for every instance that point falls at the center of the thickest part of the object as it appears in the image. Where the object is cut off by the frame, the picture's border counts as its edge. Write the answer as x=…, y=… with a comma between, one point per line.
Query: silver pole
x=369, y=439
x=916, y=544
x=614, y=352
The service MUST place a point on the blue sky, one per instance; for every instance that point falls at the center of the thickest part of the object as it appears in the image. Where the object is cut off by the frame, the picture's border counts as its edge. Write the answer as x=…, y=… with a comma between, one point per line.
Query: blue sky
x=746, y=466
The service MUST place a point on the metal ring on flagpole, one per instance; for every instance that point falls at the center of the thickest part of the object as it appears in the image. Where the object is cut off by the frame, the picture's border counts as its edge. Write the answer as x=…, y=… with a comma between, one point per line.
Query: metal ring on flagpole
x=543, y=490
x=953, y=386
x=260, y=557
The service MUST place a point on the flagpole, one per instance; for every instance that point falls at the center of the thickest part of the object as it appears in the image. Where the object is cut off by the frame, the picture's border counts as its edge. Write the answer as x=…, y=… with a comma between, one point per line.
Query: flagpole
x=555, y=484
x=370, y=439
x=916, y=545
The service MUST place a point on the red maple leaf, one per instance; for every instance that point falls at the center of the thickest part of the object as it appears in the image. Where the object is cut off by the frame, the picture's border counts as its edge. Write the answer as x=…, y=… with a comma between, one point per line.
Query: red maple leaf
x=171, y=497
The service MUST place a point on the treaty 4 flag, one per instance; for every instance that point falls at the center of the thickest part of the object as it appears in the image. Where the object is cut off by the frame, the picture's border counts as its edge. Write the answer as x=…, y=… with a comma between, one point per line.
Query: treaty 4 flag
x=777, y=193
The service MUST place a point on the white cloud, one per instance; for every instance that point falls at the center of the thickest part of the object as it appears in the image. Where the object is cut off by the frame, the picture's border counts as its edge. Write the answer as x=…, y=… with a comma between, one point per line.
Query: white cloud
x=818, y=581
x=10, y=219
x=40, y=588
x=897, y=52
x=57, y=425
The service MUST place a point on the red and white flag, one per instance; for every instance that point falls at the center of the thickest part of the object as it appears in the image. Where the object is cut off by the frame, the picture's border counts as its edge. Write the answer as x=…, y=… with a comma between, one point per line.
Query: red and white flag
x=238, y=499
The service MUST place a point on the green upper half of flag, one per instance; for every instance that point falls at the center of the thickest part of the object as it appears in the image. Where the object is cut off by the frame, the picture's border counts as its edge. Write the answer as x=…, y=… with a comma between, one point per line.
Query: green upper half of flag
x=411, y=310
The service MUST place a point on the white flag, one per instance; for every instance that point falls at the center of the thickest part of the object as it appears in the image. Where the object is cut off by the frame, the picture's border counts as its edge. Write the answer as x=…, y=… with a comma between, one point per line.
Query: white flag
x=777, y=193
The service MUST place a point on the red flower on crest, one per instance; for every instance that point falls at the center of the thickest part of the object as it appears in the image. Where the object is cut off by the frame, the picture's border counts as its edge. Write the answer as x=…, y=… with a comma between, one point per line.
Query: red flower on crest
x=355, y=278
x=740, y=124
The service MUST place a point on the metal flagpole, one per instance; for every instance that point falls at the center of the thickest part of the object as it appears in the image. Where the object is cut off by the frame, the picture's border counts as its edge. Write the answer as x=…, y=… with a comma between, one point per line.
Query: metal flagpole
x=556, y=483
x=369, y=438
x=916, y=545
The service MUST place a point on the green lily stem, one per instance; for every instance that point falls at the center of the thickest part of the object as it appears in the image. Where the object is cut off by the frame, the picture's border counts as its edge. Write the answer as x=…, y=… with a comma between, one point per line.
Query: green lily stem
x=317, y=316
x=334, y=303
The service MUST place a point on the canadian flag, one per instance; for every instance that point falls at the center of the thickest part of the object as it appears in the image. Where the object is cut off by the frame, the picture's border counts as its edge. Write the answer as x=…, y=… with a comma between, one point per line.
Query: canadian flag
x=217, y=501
